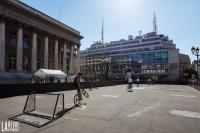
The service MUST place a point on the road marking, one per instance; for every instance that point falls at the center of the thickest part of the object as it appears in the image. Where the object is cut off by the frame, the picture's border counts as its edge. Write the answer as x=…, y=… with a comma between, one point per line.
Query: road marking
x=146, y=109
x=175, y=90
x=39, y=96
x=81, y=108
x=176, y=95
x=66, y=105
x=138, y=88
x=71, y=118
x=185, y=113
x=112, y=96
x=70, y=104
x=142, y=88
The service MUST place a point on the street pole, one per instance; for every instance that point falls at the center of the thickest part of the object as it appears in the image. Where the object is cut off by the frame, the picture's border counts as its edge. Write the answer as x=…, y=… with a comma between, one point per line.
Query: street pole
x=106, y=70
x=197, y=68
x=195, y=51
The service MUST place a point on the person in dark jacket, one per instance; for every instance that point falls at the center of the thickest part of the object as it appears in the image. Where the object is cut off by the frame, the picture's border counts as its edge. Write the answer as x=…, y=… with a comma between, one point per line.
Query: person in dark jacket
x=77, y=85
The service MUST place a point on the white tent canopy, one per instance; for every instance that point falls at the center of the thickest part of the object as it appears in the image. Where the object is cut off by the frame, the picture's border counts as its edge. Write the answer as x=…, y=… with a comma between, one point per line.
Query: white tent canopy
x=46, y=73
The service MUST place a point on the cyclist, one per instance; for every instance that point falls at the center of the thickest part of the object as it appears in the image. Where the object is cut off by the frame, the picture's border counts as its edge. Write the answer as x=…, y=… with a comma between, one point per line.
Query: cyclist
x=77, y=86
x=130, y=83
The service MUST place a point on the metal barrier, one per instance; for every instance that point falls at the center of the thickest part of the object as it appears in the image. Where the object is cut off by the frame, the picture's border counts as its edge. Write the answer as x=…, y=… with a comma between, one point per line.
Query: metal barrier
x=37, y=113
x=15, y=80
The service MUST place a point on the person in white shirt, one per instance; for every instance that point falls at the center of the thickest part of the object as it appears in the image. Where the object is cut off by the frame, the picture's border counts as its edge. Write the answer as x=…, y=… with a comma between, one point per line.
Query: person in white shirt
x=138, y=81
x=130, y=83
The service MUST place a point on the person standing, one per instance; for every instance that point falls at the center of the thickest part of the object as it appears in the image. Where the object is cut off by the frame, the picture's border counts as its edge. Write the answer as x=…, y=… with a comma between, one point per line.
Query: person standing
x=138, y=81
x=66, y=79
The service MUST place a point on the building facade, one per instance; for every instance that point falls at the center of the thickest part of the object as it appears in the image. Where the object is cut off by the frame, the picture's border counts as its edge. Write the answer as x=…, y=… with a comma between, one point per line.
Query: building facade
x=30, y=39
x=145, y=56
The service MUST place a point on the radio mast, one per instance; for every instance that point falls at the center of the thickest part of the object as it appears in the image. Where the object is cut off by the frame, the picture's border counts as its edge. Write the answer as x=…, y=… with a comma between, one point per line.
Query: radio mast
x=155, y=23
x=102, y=32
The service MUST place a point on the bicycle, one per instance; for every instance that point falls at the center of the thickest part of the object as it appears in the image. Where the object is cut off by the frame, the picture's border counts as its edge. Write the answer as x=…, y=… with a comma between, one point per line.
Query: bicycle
x=76, y=98
x=129, y=88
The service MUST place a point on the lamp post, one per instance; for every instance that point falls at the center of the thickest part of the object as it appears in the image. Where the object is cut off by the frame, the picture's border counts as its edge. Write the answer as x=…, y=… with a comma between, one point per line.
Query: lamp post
x=106, y=67
x=104, y=62
x=195, y=51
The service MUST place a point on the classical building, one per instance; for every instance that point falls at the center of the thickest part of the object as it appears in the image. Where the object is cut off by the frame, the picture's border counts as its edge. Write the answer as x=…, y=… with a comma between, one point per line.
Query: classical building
x=148, y=55
x=30, y=39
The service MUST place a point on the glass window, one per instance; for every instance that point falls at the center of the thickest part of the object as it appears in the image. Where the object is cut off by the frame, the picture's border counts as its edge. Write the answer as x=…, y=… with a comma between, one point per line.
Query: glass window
x=158, y=54
x=134, y=58
x=165, y=54
x=140, y=57
x=25, y=63
x=129, y=58
x=13, y=41
x=158, y=60
x=12, y=63
x=165, y=60
x=125, y=58
x=146, y=49
x=25, y=44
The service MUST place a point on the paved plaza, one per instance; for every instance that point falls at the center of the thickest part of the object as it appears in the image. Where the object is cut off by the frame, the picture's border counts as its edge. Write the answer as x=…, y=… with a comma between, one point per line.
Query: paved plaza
x=148, y=109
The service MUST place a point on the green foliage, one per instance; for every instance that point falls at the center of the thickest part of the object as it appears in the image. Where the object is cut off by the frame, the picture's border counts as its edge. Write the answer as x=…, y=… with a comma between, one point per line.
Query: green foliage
x=188, y=72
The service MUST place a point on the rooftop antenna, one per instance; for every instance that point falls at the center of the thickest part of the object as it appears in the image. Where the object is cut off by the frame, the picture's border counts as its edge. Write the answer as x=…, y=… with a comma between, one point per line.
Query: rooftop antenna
x=59, y=14
x=102, y=32
x=154, y=23
x=140, y=33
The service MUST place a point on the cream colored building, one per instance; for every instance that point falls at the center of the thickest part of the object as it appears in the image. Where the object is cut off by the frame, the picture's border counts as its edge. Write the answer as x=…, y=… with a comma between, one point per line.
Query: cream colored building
x=30, y=39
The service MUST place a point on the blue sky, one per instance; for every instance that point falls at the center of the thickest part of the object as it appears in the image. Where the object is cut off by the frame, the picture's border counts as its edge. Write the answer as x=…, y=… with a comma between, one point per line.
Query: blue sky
x=178, y=19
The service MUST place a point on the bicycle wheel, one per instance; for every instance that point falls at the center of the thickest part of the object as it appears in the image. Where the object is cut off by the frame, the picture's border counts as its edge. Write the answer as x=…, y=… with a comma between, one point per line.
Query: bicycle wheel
x=129, y=88
x=76, y=100
x=85, y=94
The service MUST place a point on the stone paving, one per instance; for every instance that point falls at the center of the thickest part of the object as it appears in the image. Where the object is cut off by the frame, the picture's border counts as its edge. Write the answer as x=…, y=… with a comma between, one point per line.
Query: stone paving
x=148, y=109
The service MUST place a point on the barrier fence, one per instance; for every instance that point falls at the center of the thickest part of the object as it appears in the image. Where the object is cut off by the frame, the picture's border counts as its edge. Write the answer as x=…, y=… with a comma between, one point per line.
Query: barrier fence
x=25, y=87
x=15, y=80
x=9, y=90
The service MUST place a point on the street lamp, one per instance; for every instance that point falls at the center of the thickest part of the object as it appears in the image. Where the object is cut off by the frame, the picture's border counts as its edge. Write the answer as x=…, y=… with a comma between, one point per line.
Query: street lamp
x=195, y=51
x=104, y=62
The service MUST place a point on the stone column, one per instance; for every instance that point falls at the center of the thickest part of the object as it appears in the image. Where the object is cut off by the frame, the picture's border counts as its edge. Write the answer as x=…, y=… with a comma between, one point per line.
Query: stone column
x=56, y=55
x=71, y=64
x=64, y=57
x=78, y=58
x=19, y=48
x=46, y=55
x=34, y=52
x=2, y=44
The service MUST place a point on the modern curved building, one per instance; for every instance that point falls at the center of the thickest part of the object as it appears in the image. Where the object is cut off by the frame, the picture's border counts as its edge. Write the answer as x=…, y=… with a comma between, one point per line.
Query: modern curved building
x=30, y=39
x=148, y=55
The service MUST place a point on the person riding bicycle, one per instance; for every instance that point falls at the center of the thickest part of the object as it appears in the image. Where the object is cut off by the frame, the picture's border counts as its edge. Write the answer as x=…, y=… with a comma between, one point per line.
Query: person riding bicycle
x=130, y=83
x=77, y=85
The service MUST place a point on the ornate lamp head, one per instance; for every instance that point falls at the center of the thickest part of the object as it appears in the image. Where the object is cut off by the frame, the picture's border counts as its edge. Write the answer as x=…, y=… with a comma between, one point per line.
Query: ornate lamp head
x=193, y=50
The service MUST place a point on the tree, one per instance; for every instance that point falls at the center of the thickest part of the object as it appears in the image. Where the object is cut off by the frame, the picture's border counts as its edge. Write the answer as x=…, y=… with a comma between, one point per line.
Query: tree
x=188, y=72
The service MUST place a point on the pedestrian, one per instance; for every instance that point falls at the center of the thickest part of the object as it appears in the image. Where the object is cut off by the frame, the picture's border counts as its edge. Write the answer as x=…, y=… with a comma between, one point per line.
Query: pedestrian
x=66, y=79
x=51, y=79
x=149, y=81
x=130, y=84
x=138, y=81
